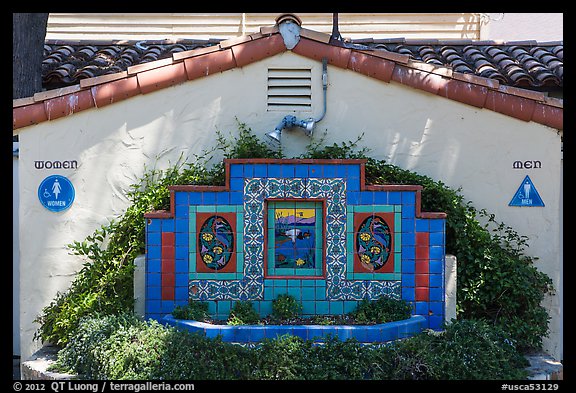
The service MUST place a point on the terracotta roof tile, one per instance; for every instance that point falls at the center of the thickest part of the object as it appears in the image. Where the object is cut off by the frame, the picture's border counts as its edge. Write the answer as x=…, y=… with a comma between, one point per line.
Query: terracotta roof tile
x=473, y=74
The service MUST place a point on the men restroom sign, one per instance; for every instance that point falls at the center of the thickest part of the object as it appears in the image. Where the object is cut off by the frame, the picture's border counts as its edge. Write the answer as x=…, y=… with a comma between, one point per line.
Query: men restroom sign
x=526, y=195
x=56, y=193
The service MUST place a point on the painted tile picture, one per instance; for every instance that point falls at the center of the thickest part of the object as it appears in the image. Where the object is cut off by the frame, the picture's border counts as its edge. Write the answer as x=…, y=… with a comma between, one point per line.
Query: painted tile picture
x=295, y=238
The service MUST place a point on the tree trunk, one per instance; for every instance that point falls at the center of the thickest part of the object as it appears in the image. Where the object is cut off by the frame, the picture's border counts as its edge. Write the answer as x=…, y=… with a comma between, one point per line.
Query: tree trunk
x=29, y=32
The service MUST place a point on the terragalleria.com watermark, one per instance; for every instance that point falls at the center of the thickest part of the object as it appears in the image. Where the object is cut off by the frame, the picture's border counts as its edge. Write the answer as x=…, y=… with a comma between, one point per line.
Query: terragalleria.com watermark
x=100, y=387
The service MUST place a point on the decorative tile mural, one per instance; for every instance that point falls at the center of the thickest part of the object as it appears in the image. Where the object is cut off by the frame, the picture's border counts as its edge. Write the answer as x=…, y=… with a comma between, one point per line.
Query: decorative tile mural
x=308, y=228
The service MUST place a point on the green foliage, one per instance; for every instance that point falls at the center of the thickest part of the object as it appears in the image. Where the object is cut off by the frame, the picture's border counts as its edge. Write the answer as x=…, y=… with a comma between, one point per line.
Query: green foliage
x=123, y=347
x=497, y=282
x=193, y=311
x=382, y=310
x=286, y=307
x=243, y=313
x=467, y=349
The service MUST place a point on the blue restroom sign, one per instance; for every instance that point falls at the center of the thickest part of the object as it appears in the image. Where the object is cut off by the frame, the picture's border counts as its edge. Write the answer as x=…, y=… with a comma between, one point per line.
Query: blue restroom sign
x=526, y=195
x=56, y=193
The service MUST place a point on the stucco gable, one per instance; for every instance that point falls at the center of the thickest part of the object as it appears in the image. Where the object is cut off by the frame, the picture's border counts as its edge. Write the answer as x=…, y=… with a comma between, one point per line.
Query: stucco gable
x=389, y=67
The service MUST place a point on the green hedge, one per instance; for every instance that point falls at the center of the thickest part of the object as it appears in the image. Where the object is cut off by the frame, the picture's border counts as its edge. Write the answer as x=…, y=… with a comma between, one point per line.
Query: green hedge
x=125, y=348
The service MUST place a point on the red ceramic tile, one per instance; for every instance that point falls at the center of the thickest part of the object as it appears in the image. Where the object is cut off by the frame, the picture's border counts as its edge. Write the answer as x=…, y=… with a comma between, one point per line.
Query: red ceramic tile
x=550, y=116
x=518, y=107
x=168, y=238
x=371, y=66
x=28, y=115
x=418, y=79
x=252, y=51
x=467, y=93
x=421, y=294
x=168, y=293
x=337, y=56
x=68, y=104
x=162, y=77
x=421, y=266
x=168, y=265
x=199, y=66
x=167, y=252
x=115, y=91
x=422, y=280
x=168, y=280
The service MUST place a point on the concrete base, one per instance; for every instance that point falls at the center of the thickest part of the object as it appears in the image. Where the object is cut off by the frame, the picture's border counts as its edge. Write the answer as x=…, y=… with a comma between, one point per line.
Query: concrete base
x=36, y=368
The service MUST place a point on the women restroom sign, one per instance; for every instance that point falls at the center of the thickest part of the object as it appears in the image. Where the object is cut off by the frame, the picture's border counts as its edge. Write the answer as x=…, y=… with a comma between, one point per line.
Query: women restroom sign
x=56, y=193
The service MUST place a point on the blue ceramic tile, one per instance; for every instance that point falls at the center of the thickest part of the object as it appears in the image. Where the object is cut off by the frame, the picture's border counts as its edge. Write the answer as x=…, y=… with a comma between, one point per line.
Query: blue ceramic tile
x=436, y=281
x=435, y=322
x=408, y=225
x=408, y=239
x=182, y=225
x=274, y=170
x=436, y=253
x=154, y=293
x=288, y=170
x=353, y=171
x=436, y=294
x=208, y=198
x=257, y=333
x=154, y=239
x=181, y=239
x=315, y=171
x=329, y=171
x=380, y=198
x=366, y=198
x=421, y=308
x=181, y=211
x=260, y=170
x=242, y=334
x=408, y=280
x=301, y=171
x=236, y=184
x=341, y=171
x=353, y=184
x=168, y=225
x=437, y=308
x=437, y=239
x=308, y=307
x=408, y=294
x=408, y=211
x=154, y=252
x=181, y=279
x=153, y=306
x=249, y=170
x=153, y=279
x=195, y=198
x=181, y=198
x=227, y=333
x=408, y=197
x=223, y=198
x=394, y=198
x=322, y=307
x=408, y=252
x=352, y=197
x=435, y=266
x=422, y=225
x=300, y=331
x=181, y=293
x=236, y=170
x=336, y=307
x=181, y=265
x=153, y=226
x=167, y=306
x=307, y=293
x=437, y=225
x=236, y=198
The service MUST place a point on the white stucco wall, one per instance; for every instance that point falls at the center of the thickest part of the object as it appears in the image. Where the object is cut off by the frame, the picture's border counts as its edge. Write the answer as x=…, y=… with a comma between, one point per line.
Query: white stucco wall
x=459, y=144
x=510, y=26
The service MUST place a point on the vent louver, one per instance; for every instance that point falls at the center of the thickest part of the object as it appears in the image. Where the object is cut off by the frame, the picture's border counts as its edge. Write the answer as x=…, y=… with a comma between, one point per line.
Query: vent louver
x=289, y=89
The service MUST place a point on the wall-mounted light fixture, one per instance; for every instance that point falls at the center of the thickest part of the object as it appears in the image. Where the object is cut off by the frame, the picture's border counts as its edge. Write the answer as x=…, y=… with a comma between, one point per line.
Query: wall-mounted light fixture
x=307, y=125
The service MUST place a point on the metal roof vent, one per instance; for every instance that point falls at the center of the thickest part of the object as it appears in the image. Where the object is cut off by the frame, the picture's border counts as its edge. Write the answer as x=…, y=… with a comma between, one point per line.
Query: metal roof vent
x=289, y=89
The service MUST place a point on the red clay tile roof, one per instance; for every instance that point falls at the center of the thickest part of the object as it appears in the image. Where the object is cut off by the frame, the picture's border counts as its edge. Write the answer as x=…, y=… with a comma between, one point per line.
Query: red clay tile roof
x=527, y=64
x=135, y=77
